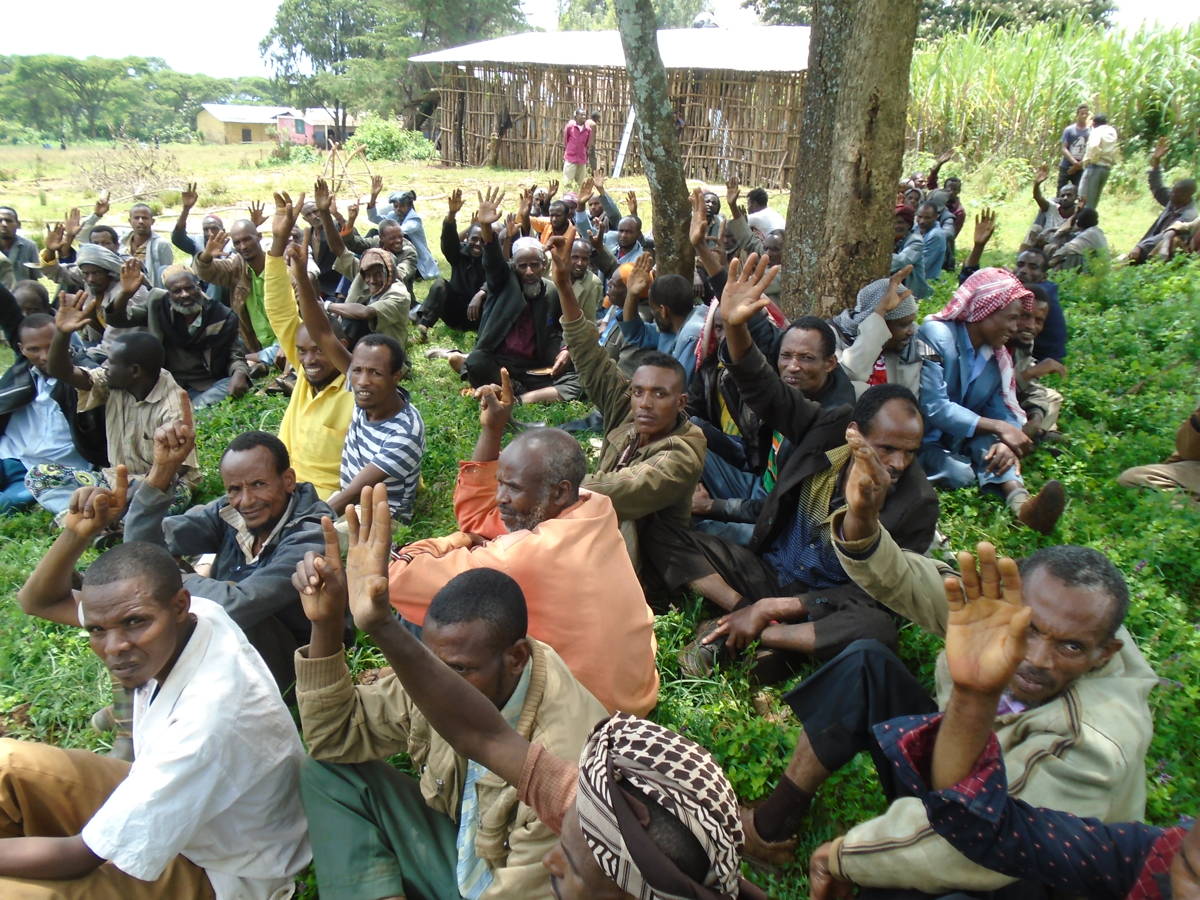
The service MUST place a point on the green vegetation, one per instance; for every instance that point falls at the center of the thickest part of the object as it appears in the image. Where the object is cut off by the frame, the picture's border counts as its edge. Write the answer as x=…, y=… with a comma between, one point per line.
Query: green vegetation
x=1135, y=349
x=388, y=139
x=999, y=94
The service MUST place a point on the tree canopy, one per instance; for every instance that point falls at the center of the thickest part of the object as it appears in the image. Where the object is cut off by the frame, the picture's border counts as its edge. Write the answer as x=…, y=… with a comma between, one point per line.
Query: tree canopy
x=62, y=97
x=939, y=17
x=587, y=15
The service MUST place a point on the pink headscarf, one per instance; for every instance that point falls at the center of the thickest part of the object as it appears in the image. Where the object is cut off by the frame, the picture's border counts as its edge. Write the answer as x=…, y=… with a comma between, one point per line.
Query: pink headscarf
x=985, y=292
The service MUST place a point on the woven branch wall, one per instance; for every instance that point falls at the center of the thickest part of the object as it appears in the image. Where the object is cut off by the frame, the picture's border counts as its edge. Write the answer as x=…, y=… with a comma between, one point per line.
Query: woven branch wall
x=731, y=122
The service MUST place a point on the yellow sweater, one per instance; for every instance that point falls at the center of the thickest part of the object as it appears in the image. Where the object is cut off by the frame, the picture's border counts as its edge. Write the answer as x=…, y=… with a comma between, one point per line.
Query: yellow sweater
x=314, y=425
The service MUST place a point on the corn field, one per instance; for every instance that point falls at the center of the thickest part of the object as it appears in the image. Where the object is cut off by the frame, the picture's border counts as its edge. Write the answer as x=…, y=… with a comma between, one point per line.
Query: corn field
x=1000, y=94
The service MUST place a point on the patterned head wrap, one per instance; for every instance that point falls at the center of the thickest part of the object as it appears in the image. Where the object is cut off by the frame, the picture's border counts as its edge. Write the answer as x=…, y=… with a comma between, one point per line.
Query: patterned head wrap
x=849, y=320
x=679, y=776
x=376, y=256
x=985, y=292
x=95, y=255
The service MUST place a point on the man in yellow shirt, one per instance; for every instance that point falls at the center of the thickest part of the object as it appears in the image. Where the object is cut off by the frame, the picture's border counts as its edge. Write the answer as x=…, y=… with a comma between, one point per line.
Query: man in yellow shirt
x=314, y=425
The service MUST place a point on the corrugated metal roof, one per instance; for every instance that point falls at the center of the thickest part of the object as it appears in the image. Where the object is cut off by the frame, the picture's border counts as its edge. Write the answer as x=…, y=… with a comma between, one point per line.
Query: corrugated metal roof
x=763, y=48
x=241, y=114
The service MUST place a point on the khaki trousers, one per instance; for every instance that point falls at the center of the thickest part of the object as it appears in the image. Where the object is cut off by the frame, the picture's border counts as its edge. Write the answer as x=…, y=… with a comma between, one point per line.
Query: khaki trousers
x=1170, y=476
x=48, y=792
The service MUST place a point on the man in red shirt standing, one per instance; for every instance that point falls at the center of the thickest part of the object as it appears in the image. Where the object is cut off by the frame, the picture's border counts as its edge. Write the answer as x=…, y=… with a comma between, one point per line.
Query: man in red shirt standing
x=577, y=137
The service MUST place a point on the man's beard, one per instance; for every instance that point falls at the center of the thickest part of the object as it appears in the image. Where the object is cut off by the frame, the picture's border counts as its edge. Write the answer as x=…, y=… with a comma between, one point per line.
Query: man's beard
x=187, y=309
x=532, y=290
x=529, y=520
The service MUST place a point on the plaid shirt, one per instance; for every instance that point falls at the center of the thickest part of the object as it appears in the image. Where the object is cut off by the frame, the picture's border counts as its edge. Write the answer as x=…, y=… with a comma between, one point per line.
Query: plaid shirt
x=1064, y=852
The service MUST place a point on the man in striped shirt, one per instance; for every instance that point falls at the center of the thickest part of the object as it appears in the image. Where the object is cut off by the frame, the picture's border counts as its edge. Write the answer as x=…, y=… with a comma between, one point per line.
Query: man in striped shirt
x=386, y=438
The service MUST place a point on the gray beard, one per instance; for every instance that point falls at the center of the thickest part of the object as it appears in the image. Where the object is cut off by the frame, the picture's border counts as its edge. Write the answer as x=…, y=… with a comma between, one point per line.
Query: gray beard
x=531, y=291
x=186, y=310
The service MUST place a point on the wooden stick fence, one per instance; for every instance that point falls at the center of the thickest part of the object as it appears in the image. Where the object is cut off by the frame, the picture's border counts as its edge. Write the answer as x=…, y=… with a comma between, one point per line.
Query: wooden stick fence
x=742, y=123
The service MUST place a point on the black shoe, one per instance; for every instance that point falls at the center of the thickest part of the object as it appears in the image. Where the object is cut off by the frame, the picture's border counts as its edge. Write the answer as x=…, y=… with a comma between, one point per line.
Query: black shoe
x=593, y=421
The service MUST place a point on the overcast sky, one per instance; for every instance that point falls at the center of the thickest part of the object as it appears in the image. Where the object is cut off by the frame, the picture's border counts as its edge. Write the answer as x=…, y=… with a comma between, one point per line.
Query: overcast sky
x=192, y=40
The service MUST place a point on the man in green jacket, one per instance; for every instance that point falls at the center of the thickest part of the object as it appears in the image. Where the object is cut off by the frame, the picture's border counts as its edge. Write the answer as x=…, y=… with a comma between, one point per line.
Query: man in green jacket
x=652, y=454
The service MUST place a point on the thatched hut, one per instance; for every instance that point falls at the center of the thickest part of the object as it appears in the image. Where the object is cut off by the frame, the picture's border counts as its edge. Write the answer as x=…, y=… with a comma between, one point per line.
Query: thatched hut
x=736, y=95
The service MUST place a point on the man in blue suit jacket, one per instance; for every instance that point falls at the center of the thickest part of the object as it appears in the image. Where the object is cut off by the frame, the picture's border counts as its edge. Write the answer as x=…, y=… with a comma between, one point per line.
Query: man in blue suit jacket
x=968, y=397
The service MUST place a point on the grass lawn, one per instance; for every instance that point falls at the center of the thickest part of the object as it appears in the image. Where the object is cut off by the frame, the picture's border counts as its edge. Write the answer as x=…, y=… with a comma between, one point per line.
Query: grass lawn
x=1134, y=352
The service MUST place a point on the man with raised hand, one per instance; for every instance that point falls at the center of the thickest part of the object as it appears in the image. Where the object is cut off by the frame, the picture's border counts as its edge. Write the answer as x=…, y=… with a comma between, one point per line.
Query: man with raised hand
x=449, y=299
x=137, y=394
x=456, y=830
x=209, y=808
x=644, y=813
x=317, y=415
x=1074, y=722
x=199, y=335
x=521, y=510
x=652, y=454
x=953, y=762
x=257, y=532
x=386, y=438
x=242, y=276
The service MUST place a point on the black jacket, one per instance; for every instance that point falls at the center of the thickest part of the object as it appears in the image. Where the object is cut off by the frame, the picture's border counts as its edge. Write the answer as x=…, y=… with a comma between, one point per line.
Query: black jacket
x=911, y=510
x=17, y=390
x=505, y=303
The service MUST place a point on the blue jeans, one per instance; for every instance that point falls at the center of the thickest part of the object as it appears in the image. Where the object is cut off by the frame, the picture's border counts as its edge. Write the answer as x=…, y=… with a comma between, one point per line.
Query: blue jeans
x=214, y=395
x=13, y=493
x=949, y=470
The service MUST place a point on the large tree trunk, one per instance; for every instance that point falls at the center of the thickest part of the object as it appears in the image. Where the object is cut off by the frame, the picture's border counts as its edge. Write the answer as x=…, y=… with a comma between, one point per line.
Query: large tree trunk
x=839, y=231
x=661, y=156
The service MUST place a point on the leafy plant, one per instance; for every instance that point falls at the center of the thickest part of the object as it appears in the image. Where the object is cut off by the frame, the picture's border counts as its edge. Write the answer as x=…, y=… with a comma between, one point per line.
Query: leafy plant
x=389, y=139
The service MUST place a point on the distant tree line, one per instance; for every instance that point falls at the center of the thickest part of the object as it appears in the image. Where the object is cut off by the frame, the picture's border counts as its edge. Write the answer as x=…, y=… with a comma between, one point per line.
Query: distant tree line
x=48, y=97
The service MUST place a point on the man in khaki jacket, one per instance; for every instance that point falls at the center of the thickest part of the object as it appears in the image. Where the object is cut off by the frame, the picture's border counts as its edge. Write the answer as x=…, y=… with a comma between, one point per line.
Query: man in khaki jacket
x=1074, y=724
x=457, y=829
x=652, y=454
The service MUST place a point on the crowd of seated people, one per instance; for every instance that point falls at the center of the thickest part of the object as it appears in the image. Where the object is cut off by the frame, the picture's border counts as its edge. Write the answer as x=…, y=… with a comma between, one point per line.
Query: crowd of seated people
x=786, y=472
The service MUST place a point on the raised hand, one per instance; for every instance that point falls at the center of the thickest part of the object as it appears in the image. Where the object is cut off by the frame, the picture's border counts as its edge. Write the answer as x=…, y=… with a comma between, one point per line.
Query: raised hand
x=867, y=482
x=559, y=247
x=74, y=311
x=320, y=579
x=1042, y=173
x=733, y=190
x=525, y=204
x=101, y=209
x=322, y=197
x=586, y=190
x=495, y=403
x=489, y=206
x=131, y=276
x=551, y=189
x=216, y=244
x=189, y=196
x=56, y=236
x=631, y=201
x=92, y=509
x=286, y=213
x=73, y=224
x=985, y=226
x=370, y=526
x=598, y=180
x=1159, y=151
x=698, y=229
x=599, y=229
x=743, y=296
x=376, y=187
x=175, y=441
x=257, y=213
x=454, y=202
x=640, y=277
x=985, y=633
x=896, y=292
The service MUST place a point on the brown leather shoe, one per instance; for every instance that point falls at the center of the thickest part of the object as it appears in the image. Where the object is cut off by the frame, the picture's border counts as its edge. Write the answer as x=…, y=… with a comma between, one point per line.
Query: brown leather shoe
x=756, y=849
x=1042, y=511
